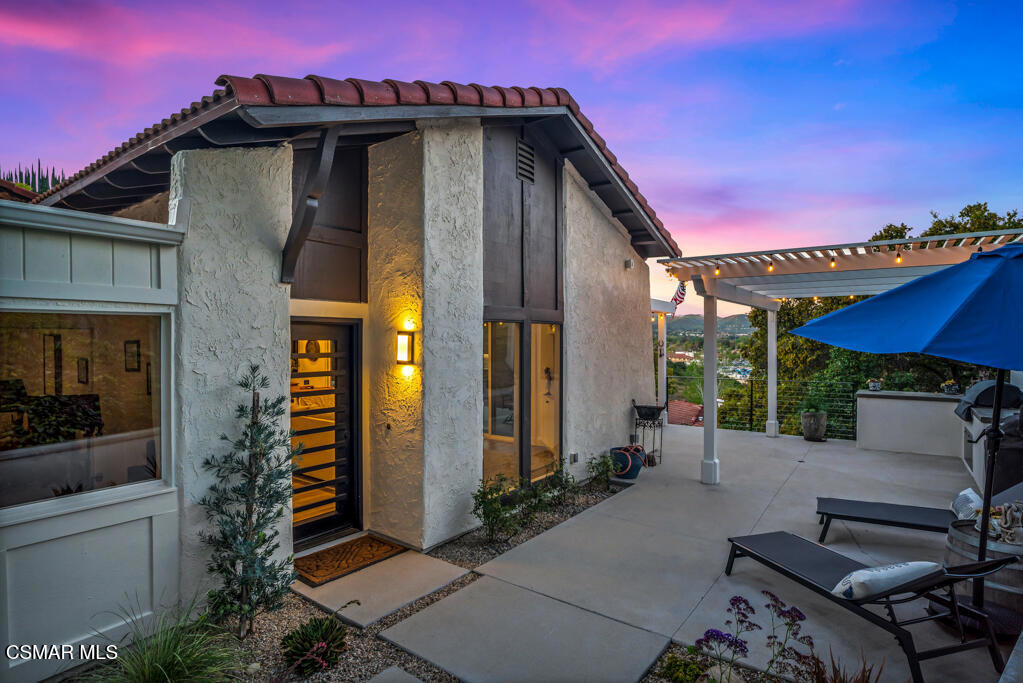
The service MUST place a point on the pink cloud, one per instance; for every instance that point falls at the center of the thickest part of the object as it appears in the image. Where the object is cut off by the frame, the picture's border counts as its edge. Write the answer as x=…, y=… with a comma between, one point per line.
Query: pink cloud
x=603, y=34
x=132, y=38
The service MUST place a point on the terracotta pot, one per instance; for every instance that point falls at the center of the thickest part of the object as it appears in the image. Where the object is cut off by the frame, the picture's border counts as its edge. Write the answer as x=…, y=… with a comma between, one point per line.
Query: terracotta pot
x=814, y=425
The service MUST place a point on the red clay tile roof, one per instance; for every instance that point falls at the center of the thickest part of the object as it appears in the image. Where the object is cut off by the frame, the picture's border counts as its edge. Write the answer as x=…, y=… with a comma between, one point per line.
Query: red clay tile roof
x=265, y=90
x=16, y=193
x=685, y=413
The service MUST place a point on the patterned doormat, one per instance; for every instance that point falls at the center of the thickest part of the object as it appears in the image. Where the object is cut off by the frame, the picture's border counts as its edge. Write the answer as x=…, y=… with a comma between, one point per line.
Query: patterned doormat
x=328, y=564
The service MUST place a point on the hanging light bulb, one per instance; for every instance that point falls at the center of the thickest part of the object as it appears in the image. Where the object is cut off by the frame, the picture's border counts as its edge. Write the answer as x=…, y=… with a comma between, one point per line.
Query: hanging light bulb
x=980, y=249
x=815, y=298
x=898, y=256
x=770, y=267
x=851, y=296
x=717, y=270
x=833, y=264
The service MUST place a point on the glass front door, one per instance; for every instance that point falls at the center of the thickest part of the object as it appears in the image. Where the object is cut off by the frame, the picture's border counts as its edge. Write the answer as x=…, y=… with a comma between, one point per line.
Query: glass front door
x=325, y=484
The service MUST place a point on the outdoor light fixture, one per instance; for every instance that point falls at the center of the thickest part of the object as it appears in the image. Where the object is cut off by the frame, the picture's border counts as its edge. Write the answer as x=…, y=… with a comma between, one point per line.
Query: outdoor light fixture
x=770, y=267
x=833, y=264
x=898, y=256
x=406, y=348
x=717, y=270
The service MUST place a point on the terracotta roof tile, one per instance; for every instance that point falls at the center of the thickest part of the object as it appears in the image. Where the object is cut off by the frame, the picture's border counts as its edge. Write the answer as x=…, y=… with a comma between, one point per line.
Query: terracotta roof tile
x=266, y=90
x=16, y=193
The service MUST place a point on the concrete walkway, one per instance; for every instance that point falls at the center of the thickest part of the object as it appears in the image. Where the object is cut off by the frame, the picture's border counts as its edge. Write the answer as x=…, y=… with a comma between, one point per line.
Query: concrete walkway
x=599, y=596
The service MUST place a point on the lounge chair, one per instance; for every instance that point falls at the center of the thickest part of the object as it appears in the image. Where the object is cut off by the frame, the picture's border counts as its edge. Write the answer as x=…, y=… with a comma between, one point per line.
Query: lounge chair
x=820, y=569
x=889, y=514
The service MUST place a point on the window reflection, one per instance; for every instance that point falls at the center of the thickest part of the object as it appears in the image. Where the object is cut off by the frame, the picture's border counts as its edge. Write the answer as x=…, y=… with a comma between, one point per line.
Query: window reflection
x=79, y=403
x=545, y=397
x=501, y=400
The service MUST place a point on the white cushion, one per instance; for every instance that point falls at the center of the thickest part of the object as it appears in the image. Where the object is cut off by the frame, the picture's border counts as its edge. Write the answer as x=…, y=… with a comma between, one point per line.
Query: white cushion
x=873, y=580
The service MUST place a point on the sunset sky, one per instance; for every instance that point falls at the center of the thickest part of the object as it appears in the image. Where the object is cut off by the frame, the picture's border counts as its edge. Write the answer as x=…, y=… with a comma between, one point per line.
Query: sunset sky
x=747, y=124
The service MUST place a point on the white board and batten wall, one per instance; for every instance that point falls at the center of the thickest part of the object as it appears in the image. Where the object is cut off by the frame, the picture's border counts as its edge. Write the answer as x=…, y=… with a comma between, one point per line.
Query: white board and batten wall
x=69, y=563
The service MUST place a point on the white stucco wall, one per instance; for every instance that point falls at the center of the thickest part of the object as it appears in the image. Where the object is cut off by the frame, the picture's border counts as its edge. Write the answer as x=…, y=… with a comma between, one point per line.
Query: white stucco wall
x=395, y=294
x=233, y=311
x=607, y=337
x=425, y=257
x=452, y=325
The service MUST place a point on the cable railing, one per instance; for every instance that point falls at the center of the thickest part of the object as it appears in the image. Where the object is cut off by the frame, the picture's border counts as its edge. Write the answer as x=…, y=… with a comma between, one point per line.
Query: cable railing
x=742, y=403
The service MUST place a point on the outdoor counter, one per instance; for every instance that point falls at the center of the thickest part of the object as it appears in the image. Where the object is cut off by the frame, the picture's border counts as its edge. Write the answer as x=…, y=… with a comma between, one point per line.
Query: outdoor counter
x=909, y=422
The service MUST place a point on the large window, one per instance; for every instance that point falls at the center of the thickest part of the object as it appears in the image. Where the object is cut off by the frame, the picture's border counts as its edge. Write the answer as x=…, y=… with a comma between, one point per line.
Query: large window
x=506, y=393
x=79, y=403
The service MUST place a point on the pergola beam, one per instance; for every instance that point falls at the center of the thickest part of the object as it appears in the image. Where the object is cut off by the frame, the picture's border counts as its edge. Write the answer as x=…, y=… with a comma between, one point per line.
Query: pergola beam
x=727, y=292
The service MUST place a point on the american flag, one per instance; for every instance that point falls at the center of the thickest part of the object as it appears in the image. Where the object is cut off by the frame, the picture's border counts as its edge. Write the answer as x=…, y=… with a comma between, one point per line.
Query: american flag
x=680, y=294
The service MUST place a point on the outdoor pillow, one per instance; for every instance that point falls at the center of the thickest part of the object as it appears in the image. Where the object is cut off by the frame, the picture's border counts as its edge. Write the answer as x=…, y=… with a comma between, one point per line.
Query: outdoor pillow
x=873, y=580
x=967, y=504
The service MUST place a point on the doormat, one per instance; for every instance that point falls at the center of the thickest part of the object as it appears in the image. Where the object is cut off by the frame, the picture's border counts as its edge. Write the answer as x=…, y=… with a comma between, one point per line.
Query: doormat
x=334, y=562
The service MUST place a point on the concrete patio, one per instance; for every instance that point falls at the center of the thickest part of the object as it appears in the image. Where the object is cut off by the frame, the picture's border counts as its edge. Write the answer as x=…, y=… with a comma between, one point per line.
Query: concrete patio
x=600, y=596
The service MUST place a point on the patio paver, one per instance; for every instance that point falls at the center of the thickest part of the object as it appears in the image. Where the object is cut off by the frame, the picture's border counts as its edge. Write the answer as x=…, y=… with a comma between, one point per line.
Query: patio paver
x=494, y=631
x=393, y=674
x=382, y=588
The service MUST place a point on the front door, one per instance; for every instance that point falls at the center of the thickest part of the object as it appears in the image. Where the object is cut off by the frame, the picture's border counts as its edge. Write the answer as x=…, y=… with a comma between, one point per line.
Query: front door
x=324, y=419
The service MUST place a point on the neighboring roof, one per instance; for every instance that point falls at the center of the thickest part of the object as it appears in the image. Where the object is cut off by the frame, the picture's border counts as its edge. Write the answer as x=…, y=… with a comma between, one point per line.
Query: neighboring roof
x=685, y=413
x=236, y=109
x=755, y=278
x=16, y=193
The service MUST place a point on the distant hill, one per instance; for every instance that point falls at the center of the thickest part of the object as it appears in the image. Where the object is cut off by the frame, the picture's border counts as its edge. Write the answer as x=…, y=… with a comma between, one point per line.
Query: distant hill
x=693, y=323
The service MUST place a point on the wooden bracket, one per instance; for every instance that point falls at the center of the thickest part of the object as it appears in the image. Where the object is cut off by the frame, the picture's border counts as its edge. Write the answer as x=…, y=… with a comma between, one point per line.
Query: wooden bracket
x=309, y=202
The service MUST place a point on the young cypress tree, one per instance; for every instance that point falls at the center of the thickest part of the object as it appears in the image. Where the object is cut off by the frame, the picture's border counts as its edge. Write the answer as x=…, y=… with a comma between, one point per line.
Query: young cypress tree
x=252, y=489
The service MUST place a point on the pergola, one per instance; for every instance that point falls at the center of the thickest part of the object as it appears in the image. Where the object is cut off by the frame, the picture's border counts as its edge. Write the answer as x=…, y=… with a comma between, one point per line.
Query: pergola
x=762, y=279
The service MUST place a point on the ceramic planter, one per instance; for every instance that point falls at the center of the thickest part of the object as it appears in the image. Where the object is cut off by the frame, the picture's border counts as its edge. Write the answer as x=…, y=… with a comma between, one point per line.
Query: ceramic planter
x=814, y=425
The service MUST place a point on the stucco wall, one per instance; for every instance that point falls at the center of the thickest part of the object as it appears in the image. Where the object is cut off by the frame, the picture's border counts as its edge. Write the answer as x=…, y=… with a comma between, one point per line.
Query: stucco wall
x=233, y=311
x=452, y=325
x=425, y=257
x=153, y=209
x=395, y=284
x=607, y=337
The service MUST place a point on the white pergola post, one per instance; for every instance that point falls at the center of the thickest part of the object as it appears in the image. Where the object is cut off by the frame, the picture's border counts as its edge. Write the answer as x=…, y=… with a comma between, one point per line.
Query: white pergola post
x=662, y=361
x=709, y=469
x=772, y=373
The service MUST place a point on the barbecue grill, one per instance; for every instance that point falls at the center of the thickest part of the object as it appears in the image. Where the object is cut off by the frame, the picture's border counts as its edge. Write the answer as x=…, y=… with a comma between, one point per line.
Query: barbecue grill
x=975, y=410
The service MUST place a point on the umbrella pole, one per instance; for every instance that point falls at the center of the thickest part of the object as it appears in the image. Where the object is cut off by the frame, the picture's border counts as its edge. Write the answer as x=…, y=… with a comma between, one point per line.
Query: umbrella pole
x=994, y=438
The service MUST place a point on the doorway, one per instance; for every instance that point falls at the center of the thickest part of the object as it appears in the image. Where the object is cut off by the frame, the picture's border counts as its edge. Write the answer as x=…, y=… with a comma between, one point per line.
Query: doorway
x=326, y=500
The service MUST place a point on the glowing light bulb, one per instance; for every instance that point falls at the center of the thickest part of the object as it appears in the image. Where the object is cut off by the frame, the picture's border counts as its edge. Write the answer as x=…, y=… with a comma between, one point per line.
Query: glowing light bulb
x=833, y=264
x=408, y=370
x=717, y=270
x=898, y=256
x=770, y=267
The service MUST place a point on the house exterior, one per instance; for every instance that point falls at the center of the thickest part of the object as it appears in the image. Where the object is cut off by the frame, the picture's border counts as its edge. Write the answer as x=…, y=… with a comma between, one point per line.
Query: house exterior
x=448, y=281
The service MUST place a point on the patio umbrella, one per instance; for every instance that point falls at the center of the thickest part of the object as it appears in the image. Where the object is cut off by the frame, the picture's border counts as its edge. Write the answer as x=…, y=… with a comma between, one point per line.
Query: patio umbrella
x=969, y=312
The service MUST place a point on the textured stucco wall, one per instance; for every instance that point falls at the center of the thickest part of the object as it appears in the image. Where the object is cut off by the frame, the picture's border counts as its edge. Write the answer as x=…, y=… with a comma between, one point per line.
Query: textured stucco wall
x=233, y=311
x=426, y=268
x=153, y=209
x=395, y=284
x=607, y=338
x=452, y=325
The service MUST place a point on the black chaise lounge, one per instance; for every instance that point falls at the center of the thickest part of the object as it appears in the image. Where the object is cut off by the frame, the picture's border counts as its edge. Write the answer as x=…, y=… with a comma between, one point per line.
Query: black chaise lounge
x=820, y=569
x=905, y=516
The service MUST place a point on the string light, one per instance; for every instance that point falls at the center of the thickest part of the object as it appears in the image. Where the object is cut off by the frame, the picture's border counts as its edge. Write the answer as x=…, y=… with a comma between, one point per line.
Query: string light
x=851, y=296
x=815, y=298
x=898, y=256
x=980, y=249
x=717, y=270
x=833, y=264
x=770, y=267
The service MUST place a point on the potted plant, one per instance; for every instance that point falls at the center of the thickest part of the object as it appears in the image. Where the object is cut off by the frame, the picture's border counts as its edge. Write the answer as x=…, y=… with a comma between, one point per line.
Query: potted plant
x=814, y=418
x=950, y=386
x=874, y=384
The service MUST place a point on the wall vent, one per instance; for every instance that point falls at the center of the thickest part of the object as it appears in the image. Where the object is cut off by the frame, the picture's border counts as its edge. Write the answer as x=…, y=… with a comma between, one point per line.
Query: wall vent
x=525, y=161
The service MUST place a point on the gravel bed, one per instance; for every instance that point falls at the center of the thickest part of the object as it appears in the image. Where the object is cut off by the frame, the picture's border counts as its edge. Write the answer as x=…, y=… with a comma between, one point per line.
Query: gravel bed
x=740, y=672
x=472, y=549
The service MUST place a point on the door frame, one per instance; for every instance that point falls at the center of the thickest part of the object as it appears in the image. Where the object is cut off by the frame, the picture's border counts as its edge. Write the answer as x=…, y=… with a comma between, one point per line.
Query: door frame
x=356, y=325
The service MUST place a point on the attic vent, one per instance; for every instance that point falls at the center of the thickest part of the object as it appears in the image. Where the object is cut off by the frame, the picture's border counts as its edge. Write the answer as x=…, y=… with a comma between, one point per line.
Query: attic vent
x=525, y=161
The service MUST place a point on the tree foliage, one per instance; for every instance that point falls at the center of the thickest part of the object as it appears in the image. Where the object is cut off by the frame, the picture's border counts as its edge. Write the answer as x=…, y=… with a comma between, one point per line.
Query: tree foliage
x=35, y=178
x=252, y=488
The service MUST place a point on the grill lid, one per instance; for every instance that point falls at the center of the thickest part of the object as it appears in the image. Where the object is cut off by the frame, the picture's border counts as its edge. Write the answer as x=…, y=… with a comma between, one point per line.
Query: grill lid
x=982, y=395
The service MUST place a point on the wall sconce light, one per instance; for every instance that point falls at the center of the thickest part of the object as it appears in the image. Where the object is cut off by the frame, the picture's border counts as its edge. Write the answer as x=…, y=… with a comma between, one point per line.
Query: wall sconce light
x=629, y=264
x=406, y=348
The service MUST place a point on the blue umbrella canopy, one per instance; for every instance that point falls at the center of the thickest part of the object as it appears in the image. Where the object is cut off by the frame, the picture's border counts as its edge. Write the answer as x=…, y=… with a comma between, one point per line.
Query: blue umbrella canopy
x=970, y=312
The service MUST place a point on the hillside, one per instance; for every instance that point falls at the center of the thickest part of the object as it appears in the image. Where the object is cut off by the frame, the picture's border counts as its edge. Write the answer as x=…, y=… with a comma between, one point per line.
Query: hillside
x=693, y=324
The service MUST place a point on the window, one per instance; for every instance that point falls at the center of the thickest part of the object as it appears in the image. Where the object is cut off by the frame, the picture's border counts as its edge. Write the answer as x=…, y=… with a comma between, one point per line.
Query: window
x=545, y=420
x=501, y=400
x=79, y=403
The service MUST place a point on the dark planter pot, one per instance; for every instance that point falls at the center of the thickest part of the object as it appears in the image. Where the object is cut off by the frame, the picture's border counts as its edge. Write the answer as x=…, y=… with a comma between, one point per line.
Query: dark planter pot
x=628, y=461
x=950, y=389
x=874, y=386
x=814, y=425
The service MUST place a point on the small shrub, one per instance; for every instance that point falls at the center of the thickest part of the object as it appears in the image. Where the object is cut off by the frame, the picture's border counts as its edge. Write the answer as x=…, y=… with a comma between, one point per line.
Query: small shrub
x=171, y=647
x=315, y=645
x=685, y=668
x=499, y=518
x=601, y=468
x=812, y=404
x=533, y=499
x=561, y=485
